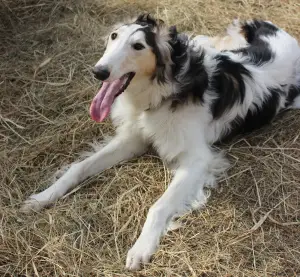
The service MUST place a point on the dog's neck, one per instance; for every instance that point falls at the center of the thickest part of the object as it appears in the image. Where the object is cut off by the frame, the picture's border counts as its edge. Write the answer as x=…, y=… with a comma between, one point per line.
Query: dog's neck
x=144, y=93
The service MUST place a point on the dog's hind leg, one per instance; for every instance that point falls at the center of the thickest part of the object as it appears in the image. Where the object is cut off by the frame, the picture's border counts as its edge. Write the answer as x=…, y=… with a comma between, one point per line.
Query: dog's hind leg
x=120, y=148
x=186, y=192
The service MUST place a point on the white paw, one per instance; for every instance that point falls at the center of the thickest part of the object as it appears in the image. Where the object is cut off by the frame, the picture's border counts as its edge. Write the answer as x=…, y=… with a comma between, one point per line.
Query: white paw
x=34, y=204
x=139, y=254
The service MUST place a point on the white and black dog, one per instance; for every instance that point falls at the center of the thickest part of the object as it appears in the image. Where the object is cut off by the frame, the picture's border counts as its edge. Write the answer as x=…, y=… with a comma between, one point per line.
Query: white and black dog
x=183, y=95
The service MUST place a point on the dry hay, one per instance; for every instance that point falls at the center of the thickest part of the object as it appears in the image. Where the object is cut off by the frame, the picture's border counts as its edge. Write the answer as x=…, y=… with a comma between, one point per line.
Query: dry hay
x=250, y=226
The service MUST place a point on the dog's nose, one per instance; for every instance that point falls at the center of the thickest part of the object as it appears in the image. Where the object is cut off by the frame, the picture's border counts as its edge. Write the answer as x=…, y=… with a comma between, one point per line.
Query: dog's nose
x=101, y=72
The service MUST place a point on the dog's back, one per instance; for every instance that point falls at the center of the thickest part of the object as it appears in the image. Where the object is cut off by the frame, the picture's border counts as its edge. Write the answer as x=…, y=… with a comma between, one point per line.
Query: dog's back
x=270, y=59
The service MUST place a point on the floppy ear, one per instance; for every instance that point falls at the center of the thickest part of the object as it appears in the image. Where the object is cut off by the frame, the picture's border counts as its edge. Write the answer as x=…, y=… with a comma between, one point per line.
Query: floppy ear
x=160, y=74
x=173, y=33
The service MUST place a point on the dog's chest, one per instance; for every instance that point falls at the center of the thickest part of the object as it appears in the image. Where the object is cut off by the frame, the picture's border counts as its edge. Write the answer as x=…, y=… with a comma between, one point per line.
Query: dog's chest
x=162, y=132
x=171, y=133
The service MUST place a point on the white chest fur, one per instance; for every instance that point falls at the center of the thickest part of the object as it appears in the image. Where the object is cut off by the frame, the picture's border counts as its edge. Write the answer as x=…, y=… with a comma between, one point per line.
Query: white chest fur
x=174, y=134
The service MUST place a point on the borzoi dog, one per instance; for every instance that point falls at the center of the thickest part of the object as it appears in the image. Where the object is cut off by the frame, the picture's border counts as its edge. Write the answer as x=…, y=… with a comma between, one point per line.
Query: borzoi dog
x=182, y=95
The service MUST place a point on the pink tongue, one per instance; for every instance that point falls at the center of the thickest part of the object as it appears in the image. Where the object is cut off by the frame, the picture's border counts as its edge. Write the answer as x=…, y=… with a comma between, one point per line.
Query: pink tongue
x=104, y=99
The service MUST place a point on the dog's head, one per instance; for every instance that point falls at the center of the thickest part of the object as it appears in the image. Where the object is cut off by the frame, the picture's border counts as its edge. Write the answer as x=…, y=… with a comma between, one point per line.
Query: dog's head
x=140, y=49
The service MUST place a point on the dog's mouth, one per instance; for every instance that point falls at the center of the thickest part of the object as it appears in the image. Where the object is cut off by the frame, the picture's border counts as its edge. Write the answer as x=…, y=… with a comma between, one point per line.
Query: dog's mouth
x=105, y=97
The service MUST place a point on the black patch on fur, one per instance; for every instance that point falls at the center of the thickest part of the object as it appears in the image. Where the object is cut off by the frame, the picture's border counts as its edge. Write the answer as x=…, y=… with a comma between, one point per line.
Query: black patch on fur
x=193, y=81
x=294, y=91
x=259, y=51
x=228, y=84
x=256, y=29
x=258, y=118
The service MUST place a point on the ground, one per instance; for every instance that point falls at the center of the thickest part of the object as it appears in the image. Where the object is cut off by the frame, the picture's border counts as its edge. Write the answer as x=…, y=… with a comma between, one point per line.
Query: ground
x=251, y=224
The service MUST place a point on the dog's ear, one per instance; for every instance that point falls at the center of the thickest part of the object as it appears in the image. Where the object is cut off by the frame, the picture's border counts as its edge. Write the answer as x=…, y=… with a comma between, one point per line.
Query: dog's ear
x=145, y=19
x=173, y=33
x=177, y=41
x=160, y=74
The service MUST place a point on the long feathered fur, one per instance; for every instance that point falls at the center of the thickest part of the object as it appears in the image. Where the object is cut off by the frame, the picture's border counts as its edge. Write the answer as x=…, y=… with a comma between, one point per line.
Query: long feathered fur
x=201, y=90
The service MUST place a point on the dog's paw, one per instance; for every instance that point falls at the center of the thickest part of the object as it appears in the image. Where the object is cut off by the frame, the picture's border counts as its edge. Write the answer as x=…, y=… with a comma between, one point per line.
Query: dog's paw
x=140, y=254
x=33, y=204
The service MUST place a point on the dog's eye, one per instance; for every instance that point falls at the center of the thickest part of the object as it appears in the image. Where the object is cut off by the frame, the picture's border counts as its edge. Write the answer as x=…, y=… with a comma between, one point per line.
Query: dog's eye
x=113, y=36
x=138, y=46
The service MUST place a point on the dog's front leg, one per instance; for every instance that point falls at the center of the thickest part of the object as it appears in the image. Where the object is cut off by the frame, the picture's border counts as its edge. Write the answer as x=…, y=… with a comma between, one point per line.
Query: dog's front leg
x=120, y=148
x=184, y=193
